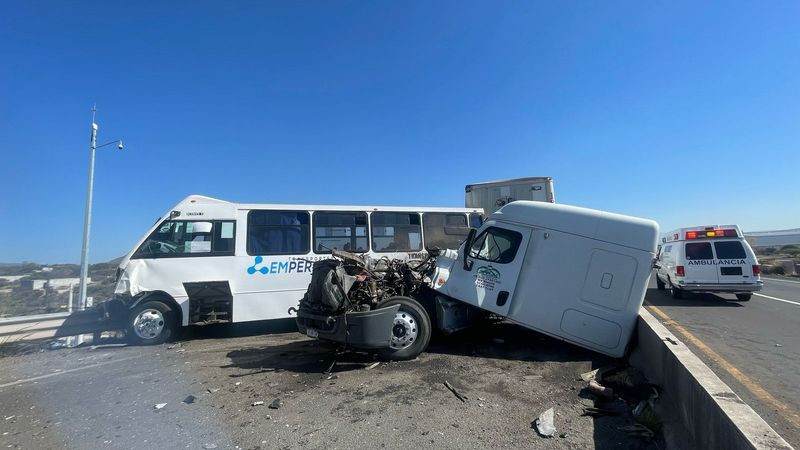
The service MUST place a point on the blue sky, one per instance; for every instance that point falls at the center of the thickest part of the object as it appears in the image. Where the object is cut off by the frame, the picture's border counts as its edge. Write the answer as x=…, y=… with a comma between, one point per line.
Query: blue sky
x=687, y=113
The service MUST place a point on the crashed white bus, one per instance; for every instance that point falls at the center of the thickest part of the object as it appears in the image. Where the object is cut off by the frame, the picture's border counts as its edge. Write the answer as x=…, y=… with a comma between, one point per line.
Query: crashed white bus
x=211, y=261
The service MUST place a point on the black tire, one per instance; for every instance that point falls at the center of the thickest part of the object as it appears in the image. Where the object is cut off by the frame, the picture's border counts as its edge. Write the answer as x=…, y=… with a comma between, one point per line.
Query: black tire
x=660, y=285
x=411, y=318
x=157, y=323
x=675, y=292
x=743, y=297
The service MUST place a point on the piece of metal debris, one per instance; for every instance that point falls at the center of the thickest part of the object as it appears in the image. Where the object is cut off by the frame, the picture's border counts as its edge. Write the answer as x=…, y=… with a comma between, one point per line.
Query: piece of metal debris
x=458, y=395
x=275, y=404
x=600, y=390
x=258, y=403
x=590, y=375
x=373, y=365
x=596, y=412
x=544, y=424
x=160, y=405
x=189, y=399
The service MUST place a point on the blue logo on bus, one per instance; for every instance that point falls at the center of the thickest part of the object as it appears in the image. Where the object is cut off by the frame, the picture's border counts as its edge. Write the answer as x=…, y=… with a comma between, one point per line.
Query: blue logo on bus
x=298, y=266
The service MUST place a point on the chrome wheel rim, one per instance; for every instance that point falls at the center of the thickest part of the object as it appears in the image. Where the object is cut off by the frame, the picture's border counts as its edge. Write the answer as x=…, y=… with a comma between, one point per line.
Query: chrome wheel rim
x=148, y=324
x=404, y=330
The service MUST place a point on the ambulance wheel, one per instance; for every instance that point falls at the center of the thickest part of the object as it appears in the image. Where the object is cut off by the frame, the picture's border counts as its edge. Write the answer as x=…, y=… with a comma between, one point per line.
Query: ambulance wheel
x=660, y=284
x=151, y=323
x=411, y=331
x=743, y=297
x=675, y=292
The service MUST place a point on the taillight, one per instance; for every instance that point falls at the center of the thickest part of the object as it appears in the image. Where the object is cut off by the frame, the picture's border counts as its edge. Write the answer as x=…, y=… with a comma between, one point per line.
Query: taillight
x=756, y=270
x=680, y=271
x=691, y=234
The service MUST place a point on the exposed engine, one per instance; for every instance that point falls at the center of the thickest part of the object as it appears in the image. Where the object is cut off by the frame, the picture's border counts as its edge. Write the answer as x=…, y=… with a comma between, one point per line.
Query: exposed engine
x=351, y=282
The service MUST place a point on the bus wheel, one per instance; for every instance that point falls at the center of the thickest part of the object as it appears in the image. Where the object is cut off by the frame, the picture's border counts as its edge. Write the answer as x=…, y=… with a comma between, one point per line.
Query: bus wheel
x=151, y=323
x=743, y=297
x=411, y=331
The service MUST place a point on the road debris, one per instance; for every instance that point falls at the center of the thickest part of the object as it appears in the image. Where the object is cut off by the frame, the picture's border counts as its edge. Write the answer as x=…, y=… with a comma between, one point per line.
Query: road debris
x=597, y=412
x=589, y=376
x=544, y=424
x=373, y=365
x=211, y=391
x=600, y=390
x=778, y=345
x=275, y=404
x=330, y=368
x=209, y=446
x=563, y=435
x=174, y=346
x=10, y=417
x=258, y=403
x=159, y=405
x=458, y=395
x=189, y=399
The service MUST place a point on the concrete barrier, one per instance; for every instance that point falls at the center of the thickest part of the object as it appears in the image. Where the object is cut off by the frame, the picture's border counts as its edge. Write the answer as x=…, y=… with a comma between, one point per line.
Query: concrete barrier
x=713, y=415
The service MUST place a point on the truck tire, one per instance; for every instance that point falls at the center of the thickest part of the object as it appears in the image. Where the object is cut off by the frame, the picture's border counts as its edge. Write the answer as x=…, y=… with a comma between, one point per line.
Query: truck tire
x=675, y=292
x=151, y=323
x=411, y=331
x=743, y=297
x=660, y=284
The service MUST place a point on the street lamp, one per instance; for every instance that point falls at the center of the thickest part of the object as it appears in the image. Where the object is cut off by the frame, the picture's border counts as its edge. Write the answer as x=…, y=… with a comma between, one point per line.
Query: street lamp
x=87, y=221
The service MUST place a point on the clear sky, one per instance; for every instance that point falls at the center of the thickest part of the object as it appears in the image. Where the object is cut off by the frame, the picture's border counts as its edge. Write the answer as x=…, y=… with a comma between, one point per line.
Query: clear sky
x=684, y=112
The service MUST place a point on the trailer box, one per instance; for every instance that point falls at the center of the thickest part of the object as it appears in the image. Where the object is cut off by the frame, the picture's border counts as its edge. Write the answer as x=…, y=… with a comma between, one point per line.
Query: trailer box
x=493, y=195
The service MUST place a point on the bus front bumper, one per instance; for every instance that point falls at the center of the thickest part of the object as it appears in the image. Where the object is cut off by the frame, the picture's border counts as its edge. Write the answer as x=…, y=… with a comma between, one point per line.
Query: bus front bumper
x=721, y=287
x=360, y=329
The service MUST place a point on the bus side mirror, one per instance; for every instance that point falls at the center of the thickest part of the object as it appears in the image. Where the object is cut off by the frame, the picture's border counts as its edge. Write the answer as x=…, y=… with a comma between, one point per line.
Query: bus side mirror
x=467, y=247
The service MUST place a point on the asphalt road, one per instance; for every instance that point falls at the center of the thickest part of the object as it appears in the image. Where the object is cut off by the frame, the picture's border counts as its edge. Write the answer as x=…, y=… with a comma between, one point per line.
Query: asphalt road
x=758, y=342
x=106, y=398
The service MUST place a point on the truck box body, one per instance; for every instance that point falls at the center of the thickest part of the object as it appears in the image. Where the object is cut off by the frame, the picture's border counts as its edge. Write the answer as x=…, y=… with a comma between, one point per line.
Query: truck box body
x=492, y=195
x=573, y=273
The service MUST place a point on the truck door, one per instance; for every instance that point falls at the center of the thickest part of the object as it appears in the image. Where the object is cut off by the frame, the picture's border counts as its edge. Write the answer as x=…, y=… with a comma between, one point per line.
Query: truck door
x=494, y=259
x=700, y=264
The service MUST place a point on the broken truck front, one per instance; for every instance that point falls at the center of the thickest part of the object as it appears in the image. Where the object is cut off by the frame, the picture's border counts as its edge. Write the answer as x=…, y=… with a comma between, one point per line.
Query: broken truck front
x=573, y=273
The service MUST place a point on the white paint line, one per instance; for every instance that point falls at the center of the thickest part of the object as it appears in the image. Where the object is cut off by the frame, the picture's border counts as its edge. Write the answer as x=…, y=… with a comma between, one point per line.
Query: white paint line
x=778, y=299
x=62, y=372
x=782, y=281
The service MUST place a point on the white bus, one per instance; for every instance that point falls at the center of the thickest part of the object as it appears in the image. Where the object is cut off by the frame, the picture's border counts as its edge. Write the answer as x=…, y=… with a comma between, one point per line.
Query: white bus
x=212, y=261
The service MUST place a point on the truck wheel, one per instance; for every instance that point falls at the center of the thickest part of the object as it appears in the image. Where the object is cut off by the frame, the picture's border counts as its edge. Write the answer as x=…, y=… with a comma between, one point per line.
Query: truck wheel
x=151, y=323
x=743, y=297
x=675, y=292
x=660, y=284
x=411, y=331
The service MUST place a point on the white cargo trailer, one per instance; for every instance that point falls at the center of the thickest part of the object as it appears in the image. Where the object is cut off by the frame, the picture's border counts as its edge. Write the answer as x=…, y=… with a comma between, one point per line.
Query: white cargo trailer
x=493, y=195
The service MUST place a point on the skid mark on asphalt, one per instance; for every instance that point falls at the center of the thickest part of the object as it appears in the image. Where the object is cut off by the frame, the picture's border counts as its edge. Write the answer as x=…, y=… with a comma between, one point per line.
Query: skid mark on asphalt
x=787, y=412
x=62, y=372
x=776, y=298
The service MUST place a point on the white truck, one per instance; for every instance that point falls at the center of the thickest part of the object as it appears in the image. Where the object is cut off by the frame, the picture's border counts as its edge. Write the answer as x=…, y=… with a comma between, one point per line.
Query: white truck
x=492, y=195
x=573, y=273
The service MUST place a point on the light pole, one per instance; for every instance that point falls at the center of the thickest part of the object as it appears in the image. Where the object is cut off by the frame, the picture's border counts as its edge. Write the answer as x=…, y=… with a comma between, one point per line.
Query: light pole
x=87, y=221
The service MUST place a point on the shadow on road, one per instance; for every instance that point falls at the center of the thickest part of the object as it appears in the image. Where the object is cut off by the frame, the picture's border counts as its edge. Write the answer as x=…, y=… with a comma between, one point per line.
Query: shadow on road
x=662, y=298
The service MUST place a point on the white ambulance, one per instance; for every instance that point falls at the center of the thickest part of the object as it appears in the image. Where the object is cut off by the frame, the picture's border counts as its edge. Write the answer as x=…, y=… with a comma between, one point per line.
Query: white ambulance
x=714, y=258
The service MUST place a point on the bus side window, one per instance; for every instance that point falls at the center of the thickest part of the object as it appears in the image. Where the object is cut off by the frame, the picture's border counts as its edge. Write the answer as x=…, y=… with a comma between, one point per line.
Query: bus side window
x=396, y=232
x=224, y=232
x=277, y=232
x=335, y=230
x=444, y=230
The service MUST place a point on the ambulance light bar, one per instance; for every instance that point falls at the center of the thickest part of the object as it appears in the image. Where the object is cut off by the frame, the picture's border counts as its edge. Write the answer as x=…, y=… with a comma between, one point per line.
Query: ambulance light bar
x=710, y=234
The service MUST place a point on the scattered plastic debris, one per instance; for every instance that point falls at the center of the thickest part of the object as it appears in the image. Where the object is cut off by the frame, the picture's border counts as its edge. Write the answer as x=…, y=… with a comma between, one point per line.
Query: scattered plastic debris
x=589, y=376
x=258, y=403
x=160, y=405
x=458, y=395
x=189, y=399
x=544, y=424
x=275, y=404
x=373, y=365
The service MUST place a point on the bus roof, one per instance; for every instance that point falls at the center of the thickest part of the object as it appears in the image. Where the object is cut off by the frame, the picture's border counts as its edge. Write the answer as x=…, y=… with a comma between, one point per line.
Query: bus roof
x=197, y=200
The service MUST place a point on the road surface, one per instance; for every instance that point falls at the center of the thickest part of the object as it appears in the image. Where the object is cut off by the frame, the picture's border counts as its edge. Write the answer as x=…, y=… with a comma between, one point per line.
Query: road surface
x=753, y=346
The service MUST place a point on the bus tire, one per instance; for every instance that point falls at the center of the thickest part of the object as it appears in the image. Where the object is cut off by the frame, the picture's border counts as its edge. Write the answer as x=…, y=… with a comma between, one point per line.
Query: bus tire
x=744, y=297
x=151, y=323
x=411, y=331
x=675, y=292
x=660, y=284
